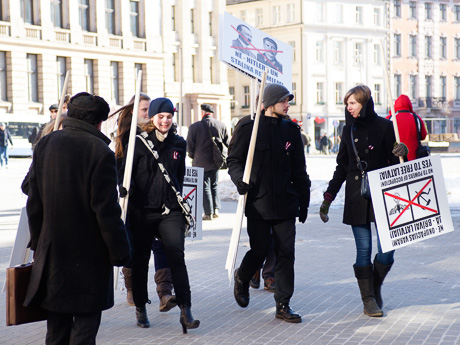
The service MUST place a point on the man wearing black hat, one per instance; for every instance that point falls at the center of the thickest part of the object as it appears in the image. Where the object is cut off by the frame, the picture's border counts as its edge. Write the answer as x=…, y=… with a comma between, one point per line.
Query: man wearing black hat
x=200, y=139
x=278, y=191
x=75, y=227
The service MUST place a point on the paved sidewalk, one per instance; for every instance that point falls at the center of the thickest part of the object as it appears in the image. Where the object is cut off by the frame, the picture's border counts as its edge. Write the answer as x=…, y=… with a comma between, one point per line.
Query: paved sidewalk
x=421, y=293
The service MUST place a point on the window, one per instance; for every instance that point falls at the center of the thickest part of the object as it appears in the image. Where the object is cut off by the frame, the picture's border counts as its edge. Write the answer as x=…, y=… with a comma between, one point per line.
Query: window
x=443, y=12
x=134, y=17
x=292, y=44
x=56, y=13
x=89, y=75
x=259, y=16
x=457, y=13
x=413, y=45
x=443, y=47
x=276, y=14
x=413, y=87
x=359, y=15
x=175, y=67
x=294, y=92
x=427, y=10
x=246, y=96
x=243, y=15
x=376, y=54
x=320, y=93
x=443, y=86
x=211, y=70
x=210, y=24
x=83, y=11
x=338, y=52
x=115, y=82
x=138, y=68
x=397, y=38
x=173, y=18
x=32, y=77
x=338, y=93
x=319, y=12
x=27, y=11
x=412, y=9
x=319, y=51
x=457, y=88
x=231, y=91
x=110, y=16
x=339, y=13
x=3, y=79
x=377, y=93
x=428, y=90
x=194, y=68
x=428, y=40
x=377, y=16
x=61, y=68
x=397, y=85
x=397, y=8
x=457, y=48
x=358, y=53
x=192, y=20
x=290, y=13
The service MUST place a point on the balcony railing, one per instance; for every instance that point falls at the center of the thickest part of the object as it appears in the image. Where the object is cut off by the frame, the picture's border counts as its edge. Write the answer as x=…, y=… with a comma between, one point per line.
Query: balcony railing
x=432, y=102
x=34, y=32
x=62, y=35
x=5, y=29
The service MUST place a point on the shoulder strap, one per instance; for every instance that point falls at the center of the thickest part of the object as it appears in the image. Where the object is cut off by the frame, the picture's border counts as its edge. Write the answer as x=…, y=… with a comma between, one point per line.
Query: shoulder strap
x=418, y=125
x=358, y=160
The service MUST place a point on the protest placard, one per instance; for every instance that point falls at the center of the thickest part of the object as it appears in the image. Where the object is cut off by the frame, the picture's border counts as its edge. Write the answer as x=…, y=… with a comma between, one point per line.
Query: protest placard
x=252, y=51
x=193, y=195
x=410, y=202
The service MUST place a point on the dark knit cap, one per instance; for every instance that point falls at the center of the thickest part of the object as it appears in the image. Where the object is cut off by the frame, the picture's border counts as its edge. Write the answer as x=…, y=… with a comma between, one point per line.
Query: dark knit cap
x=161, y=105
x=87, y=107
x=54, y=107
x=275, y=93
x=207, y=108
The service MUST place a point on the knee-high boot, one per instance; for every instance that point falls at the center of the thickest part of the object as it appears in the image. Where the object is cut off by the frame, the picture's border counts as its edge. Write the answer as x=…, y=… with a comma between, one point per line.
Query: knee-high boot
x=380, y=272
x=164, y=289
x=364, y=275
x=128, y=277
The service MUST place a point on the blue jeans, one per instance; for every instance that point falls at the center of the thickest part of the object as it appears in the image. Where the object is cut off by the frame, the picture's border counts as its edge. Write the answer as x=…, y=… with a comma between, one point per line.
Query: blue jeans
x=211, y=198
x=3, y=155
x=363, y=240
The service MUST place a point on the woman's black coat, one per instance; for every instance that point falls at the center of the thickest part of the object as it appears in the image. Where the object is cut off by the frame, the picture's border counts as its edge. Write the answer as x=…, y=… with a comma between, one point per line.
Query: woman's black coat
x=374, y=139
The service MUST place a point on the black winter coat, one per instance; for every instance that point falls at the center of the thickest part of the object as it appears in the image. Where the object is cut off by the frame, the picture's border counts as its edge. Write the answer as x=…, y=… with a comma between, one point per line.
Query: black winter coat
x=199, y=145
x=148, y=185
x=280, y=184
x=74, y=221
x=374, y=139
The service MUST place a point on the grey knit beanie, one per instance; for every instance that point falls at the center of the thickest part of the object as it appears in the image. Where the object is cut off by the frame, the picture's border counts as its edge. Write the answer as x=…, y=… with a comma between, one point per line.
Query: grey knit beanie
x=275, y=93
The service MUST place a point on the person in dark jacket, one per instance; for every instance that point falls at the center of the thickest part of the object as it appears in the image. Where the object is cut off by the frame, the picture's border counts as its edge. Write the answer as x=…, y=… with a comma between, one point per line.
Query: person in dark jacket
x=154, y=210
x=75, y=227
x=277, y=193
x=5, y=137
x=374, y=140
x=200, y=149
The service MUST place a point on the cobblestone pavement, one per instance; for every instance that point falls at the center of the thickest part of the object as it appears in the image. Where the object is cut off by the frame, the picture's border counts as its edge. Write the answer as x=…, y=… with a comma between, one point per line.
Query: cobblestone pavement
x=421, y=293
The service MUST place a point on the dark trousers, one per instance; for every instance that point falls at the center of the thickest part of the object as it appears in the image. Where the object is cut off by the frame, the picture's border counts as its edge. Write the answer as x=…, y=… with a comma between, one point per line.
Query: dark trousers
x=72, y=329
x=211, y=197
x=268, y=270
x=283, y=232
x=145, y=225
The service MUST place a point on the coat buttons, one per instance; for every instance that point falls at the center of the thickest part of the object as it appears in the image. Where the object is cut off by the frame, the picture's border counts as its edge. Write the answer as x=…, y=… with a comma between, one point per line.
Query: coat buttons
x=356, y=178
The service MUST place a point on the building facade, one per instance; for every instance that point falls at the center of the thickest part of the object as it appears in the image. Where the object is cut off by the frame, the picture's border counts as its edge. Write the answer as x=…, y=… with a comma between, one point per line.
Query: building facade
x=103, y=44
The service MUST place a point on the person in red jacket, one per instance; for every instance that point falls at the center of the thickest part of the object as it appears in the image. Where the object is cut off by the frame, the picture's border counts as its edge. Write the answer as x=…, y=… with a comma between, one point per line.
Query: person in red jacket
x=407, y=126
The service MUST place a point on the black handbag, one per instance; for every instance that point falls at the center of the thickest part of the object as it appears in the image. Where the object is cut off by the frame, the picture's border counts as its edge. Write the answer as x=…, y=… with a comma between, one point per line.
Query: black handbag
x=422, y=151
x=365, y=189
x=217, y=156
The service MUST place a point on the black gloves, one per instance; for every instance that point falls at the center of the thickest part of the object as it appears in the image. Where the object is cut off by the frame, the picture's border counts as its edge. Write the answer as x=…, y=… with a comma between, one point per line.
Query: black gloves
x=123, y=192
x=303, y=214
x=242, y=187
x=400, y=150
x=324, y=210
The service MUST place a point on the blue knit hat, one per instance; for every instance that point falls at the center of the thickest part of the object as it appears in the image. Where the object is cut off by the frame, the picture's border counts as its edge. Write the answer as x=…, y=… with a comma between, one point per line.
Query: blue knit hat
x=161, y=105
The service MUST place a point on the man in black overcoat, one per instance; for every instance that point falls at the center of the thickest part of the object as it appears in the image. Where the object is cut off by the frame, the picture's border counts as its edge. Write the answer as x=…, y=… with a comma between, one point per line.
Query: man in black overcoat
x=277, y=193
x=75, y=227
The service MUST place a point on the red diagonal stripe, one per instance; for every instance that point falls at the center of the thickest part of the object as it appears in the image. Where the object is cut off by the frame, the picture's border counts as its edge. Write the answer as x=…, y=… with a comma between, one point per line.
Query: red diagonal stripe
x=186, y=197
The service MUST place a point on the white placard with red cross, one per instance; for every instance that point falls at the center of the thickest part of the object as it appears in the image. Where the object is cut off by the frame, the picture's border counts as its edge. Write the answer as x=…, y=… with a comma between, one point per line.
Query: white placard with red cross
x=192, y=194
x=410, y=202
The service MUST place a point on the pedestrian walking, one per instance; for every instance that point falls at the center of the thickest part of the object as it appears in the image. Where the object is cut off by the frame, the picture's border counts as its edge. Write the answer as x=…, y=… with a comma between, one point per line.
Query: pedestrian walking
x=200, y=148
x=5, y=137
x=154, y=209
x=372, y=138
x=324, y=143
x=76, y=231
x=277, y=193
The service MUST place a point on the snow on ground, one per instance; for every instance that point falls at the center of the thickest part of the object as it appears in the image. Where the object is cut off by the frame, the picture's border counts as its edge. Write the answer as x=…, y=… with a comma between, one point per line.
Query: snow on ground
x=321, y=169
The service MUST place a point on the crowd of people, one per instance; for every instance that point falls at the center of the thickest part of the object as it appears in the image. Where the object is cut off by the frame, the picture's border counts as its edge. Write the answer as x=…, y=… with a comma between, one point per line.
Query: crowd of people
x=77, y=241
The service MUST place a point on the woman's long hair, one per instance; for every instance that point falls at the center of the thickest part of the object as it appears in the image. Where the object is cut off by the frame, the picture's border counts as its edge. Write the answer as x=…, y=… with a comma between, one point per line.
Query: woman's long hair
x=125, y=115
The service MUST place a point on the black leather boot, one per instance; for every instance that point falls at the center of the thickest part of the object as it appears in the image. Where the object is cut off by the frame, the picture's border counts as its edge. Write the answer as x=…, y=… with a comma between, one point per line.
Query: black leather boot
x=365, y=277
x=380, y=272
x=241, y=291
x=285, y=313
x=186, y=319
x=142, y=319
